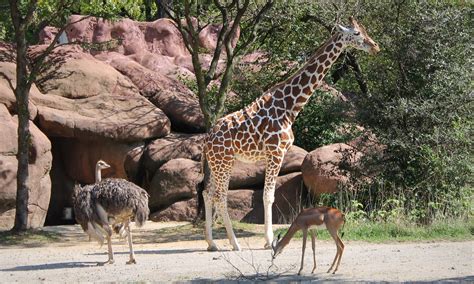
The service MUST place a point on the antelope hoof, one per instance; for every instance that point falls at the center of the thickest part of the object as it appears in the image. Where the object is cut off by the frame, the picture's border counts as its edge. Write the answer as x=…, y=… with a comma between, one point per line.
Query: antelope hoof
x=212, y=247
x=131, y=261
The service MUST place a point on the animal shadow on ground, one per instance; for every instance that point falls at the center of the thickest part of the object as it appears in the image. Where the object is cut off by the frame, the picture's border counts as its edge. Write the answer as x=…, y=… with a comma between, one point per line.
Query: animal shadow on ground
x=49, y=266
x=157, y=251
x=186, y=232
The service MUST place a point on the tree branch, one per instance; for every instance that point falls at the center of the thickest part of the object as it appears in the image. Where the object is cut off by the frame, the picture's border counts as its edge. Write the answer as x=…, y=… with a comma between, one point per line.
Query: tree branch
x=255, y=24
x=210, y=75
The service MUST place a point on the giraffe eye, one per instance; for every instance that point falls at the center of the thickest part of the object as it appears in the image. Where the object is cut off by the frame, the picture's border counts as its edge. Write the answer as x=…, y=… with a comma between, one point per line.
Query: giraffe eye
x=357, y=33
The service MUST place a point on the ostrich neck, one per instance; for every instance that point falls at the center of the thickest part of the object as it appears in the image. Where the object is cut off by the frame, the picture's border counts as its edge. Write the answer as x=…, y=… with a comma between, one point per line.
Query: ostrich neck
x=98, y=176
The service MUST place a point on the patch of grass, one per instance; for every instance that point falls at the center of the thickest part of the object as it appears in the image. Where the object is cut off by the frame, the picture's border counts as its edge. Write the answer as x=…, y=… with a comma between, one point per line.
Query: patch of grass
x=452, y=230
x=29, y=238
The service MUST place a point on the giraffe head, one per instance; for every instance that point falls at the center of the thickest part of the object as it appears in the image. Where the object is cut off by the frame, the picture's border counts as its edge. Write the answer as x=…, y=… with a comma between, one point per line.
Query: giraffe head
x=357, y=37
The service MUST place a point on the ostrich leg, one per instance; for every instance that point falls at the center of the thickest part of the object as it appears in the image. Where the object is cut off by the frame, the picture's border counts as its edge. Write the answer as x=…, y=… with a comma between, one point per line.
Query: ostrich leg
x=130, y=244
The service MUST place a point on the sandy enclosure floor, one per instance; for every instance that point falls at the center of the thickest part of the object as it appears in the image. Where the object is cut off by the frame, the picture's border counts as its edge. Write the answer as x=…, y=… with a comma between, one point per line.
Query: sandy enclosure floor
x=74, y=259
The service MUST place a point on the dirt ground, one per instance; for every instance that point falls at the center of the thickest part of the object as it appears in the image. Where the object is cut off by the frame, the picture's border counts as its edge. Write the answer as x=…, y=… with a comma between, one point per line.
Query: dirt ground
x=73, y=259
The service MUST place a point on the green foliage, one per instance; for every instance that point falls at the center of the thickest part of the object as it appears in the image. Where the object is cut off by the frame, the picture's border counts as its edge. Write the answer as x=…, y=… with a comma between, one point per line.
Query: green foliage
x=420, y=108
x=419, y=104
x=321, y=121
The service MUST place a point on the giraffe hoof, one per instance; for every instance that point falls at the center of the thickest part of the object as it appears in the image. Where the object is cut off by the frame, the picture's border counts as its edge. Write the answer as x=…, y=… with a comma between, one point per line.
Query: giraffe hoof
x=212, y=247
x=131, y=261
x=110, y=261
x=236, y=248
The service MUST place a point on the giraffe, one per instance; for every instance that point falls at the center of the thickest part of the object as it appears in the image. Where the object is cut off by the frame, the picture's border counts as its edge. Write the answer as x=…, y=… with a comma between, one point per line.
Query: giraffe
x=262, y=130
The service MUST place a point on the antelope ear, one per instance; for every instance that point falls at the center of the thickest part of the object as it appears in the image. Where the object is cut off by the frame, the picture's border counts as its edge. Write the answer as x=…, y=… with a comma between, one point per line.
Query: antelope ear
x=343, y=29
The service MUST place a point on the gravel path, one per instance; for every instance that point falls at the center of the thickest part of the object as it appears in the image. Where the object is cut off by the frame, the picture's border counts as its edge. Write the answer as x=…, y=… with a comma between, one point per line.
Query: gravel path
x=73, y=259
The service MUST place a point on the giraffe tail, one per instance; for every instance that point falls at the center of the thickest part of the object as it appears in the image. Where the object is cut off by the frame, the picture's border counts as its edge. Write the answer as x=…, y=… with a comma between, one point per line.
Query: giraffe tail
x=202, y=186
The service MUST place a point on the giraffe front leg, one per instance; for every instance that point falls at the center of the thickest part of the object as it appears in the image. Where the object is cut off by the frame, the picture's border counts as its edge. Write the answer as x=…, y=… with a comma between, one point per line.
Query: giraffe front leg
x=268, y=198
x=273, y=164
x=208, y=207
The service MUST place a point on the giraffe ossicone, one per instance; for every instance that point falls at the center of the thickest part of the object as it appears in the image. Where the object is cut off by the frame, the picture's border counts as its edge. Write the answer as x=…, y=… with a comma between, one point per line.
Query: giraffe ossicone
x=262, y=130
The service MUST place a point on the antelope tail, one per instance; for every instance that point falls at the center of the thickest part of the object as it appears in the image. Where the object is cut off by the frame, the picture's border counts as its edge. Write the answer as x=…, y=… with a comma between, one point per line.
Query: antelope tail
x=343, y=224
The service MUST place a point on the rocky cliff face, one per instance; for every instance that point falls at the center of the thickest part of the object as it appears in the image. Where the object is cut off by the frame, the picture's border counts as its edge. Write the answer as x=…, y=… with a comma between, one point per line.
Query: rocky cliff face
x=125, y=105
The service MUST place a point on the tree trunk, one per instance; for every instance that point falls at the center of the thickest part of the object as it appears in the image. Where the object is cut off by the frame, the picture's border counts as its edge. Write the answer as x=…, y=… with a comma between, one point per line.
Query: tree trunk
x=22, y=90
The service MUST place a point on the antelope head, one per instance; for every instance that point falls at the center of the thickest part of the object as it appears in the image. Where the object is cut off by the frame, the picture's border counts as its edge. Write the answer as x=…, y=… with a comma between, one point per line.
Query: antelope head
x=276, y=249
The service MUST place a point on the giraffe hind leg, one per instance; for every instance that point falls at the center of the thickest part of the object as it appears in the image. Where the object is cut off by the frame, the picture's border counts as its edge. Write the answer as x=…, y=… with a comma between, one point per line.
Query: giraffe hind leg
x=222, y=209
x=220, y=178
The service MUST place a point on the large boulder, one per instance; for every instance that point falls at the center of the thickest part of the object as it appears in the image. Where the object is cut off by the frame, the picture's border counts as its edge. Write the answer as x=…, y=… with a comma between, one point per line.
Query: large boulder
x=174, y=181
x=290, y=197
x=7, y=81
x=39, y=182
x=162, y=37
x=245, y=175
x=172, y=147
x=247, y=204
x=239, y=204
x=171, y=96
x=128, y=117
x=74, y=74
x=179, y=211
x=321, y=168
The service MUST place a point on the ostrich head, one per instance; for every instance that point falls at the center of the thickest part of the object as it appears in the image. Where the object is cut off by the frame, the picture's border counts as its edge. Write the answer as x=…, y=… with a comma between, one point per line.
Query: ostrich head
x=102, y=165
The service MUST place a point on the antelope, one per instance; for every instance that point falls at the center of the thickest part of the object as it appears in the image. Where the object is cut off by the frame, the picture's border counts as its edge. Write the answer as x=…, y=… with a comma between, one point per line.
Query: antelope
x=332, y=218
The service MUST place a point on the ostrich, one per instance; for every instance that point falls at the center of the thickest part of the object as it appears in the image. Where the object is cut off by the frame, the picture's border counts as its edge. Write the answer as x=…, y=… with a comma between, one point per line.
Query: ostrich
x=108, y=203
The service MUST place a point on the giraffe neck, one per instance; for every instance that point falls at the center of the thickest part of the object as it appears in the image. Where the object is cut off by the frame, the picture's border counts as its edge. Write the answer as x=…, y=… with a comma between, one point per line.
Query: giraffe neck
x=98, y=175
x=296, y=90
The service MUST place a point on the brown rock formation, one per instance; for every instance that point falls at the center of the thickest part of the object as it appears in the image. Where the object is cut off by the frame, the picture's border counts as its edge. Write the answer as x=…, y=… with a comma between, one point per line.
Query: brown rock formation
x=174, y=181
x=39, y=181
